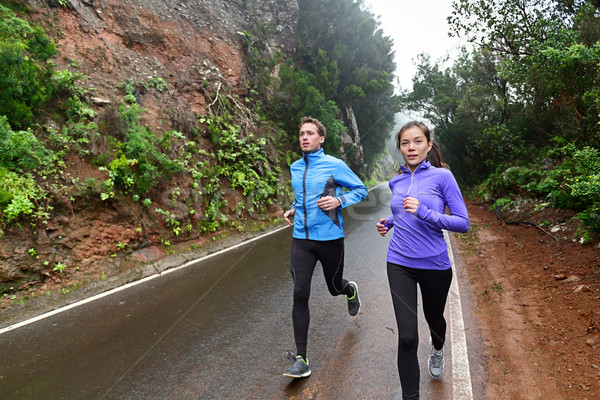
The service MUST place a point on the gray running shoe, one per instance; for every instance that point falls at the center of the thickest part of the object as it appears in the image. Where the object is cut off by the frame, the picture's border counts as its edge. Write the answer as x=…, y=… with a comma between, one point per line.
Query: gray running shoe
x=435, y=363
x=299, y=369
x=354, y=301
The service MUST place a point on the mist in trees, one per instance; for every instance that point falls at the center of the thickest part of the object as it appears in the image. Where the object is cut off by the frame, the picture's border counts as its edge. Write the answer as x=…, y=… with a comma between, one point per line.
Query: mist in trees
x=512, y=113
x=343, y=60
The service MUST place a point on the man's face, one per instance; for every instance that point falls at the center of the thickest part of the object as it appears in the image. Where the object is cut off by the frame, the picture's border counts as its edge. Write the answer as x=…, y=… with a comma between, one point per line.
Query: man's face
x=309, y=138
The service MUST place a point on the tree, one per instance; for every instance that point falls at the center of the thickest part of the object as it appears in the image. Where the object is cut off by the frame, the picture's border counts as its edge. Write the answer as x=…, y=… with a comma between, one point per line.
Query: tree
x=550, y=60
x=299, y=96
x=340, y=44
x=474, y=115
x=528, y=104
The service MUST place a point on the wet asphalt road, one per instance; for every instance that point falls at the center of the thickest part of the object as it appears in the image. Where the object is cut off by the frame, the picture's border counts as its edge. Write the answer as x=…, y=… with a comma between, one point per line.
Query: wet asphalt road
x=218, y=329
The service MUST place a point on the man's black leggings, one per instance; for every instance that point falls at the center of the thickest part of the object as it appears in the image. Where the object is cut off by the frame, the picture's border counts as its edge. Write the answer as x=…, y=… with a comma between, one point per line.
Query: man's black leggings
x=434, y=285
x=303, y=258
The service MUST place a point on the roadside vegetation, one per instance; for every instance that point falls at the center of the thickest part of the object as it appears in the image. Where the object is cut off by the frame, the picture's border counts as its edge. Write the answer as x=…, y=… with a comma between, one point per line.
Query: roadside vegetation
x=518, y=115
x=209, y=174
x=323, y=79
x=136, y=159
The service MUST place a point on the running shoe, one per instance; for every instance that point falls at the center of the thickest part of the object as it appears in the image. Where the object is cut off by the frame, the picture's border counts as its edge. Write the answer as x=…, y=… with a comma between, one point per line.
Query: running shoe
x=299, y=368
x=435, y=363
x=354, y=301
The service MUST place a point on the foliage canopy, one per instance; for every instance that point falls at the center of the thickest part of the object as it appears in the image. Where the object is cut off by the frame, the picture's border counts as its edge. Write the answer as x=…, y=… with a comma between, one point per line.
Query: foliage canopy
x=520, y=113
x=343, y=61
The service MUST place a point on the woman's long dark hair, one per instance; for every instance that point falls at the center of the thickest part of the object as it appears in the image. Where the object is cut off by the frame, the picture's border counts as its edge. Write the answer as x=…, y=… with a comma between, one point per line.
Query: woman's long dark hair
x=435, y=155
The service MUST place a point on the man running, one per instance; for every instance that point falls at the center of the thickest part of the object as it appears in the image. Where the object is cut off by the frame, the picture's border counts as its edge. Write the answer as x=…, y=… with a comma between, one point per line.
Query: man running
x=317, y=180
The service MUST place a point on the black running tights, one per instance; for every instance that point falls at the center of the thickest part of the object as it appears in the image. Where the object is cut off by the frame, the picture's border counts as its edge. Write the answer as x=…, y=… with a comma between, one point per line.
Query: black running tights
x=434, y=285
x=303, y=258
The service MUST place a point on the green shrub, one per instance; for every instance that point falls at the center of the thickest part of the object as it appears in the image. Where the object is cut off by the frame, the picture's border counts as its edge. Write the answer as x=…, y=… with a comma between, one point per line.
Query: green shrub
x=76, y=109
x=570, y=180
x=21, y=150
x=139, y=164
x=242, y=160
x=574, y=183
x=510, y=181
x=142, y=144
x=18, y=194
x=586, y=187
x=25, y=76
x=566, y=185
x=67, y=82
x=503, y=204
x=132, y=88
x=591, y=218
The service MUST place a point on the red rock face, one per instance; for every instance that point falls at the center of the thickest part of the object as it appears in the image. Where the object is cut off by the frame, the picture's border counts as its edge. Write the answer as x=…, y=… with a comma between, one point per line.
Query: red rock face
x=124, y=41
x=187, y=45
x=195, y=48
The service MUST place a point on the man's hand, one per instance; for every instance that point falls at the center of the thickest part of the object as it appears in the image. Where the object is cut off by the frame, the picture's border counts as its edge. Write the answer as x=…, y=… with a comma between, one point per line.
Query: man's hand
x=328, y=203
x=289, y=216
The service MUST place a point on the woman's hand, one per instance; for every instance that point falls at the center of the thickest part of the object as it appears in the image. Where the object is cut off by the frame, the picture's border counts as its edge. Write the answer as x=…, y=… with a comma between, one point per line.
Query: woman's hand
x=381, y=228
x=410, y=204
x=328, y=203
x=289, y=216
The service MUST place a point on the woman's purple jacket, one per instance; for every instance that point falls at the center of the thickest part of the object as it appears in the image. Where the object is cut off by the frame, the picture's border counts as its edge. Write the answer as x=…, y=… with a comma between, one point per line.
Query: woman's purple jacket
x=418, y=240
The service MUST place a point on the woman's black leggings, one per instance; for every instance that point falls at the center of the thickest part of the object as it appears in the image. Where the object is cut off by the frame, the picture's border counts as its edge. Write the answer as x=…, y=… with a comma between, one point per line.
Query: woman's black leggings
x=434, y=285
x=303, y=258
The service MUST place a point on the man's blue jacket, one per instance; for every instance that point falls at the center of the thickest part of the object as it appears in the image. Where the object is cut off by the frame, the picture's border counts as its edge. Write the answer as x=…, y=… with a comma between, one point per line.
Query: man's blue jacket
x=317, y=175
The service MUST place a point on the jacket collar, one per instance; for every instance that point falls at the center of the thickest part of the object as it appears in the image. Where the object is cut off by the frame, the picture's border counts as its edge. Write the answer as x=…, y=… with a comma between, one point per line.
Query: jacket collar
x=316, y=153
x=424, y=165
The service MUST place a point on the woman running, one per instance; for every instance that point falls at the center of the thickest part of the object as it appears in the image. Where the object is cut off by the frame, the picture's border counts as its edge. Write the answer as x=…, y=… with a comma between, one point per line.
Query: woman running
x=417, y=252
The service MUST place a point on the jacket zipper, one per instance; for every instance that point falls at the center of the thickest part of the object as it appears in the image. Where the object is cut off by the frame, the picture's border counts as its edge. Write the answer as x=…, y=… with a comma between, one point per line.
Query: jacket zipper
x=304, y=196
x=412, y=175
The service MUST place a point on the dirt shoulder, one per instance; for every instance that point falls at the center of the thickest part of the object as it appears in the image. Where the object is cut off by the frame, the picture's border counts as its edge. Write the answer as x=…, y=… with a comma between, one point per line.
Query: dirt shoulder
x=538, y=299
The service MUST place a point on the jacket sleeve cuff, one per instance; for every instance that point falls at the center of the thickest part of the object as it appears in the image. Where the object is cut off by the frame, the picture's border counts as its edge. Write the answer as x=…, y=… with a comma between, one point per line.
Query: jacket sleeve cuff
x=389, y=222
x=421, y=211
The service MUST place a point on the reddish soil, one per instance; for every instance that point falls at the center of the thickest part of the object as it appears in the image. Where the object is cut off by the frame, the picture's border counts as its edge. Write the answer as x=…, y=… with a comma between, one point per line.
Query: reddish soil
x=538, y=295
x=113, y=42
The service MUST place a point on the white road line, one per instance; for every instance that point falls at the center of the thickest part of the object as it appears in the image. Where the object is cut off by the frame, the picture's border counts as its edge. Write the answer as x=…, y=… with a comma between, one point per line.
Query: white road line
x=120, y=288
x=379, y=184
x=461, y=372
x=165, y=272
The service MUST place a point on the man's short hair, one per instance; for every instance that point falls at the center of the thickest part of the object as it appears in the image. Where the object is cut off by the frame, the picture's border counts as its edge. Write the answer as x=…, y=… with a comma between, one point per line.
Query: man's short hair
x=318, y=124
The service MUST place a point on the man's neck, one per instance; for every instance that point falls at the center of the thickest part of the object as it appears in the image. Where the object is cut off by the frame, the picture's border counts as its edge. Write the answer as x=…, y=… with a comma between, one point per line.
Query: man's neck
x=313, y=151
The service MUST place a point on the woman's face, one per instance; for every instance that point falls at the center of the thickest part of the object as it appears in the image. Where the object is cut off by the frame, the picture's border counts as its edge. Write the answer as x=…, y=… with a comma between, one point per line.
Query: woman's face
x=414, y=147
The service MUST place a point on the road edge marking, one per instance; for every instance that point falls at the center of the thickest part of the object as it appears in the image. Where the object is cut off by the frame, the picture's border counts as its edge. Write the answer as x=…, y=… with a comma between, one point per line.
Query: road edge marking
x=131, y=284
x=462, y=387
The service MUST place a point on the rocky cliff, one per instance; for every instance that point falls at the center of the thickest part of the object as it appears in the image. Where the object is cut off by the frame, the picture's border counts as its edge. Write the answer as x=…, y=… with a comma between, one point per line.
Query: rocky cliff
x=186, y=43
x=198, y=47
